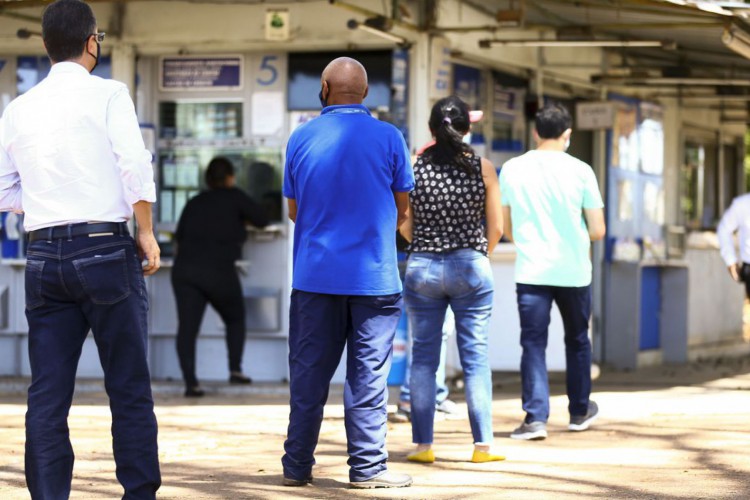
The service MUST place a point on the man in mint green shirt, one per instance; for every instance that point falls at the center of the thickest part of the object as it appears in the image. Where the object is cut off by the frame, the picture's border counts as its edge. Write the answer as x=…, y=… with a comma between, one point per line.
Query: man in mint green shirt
x=553, y=211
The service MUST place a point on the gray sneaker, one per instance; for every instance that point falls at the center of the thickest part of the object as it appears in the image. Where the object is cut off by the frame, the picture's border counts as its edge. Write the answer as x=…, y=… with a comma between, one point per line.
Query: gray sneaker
x=387, y=479
x=402, y=414
x=582, y=422
x=532, y=431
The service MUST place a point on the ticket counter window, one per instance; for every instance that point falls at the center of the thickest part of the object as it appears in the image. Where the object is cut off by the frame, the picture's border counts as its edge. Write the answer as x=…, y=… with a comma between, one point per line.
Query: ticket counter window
x=200, y=120
x=193, y=133
x=182, y=171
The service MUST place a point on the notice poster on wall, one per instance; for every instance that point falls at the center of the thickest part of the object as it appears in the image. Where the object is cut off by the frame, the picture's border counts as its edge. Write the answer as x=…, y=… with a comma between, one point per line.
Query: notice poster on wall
x=200, y=73
x=268, y=109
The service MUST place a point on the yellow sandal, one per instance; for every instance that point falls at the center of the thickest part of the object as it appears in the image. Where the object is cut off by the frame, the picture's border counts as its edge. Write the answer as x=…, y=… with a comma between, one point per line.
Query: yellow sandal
x=422, y=457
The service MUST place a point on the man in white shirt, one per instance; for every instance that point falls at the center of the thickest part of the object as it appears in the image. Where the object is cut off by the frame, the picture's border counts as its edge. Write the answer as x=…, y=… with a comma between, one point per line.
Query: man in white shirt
x=736, y=219
x=553, y=211
x=73, y=161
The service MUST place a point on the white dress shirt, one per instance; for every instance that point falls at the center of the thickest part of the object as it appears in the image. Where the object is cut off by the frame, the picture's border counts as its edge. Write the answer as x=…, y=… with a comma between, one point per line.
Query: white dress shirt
x=736, y=218
x=71, y=151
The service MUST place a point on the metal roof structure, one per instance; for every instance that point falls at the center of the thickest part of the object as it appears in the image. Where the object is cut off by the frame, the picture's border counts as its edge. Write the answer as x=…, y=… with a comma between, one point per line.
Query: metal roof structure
x=690, y=33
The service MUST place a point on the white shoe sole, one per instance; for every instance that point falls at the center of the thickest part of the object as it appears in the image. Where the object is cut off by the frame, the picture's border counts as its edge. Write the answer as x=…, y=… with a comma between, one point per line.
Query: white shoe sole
x=376, y=483
x=530, y=436
x=366, y=485
x=582, y=426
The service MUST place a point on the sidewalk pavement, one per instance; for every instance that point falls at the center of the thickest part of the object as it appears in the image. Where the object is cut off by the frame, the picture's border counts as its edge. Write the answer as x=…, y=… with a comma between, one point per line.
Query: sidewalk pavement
x=664, y=433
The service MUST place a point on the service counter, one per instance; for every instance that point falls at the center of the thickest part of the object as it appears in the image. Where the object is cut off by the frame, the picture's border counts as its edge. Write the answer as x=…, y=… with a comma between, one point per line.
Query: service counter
x=715, y=301
x=264, y=276
x=505, y=326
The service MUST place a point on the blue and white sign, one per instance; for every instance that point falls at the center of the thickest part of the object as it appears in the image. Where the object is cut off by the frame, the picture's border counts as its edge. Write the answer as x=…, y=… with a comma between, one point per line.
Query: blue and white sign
x=200, y=73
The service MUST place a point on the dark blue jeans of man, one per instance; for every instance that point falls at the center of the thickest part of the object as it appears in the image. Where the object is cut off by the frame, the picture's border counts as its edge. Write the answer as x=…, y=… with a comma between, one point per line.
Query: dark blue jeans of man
x=320, y=326
x=73, y=285
x=534, y=306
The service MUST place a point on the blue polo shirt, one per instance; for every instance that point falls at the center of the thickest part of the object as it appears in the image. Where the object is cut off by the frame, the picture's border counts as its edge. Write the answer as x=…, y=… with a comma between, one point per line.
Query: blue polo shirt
x=342, y=169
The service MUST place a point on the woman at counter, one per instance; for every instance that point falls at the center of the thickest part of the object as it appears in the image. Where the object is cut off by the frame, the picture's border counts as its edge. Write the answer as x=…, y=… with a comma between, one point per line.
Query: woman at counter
x=455, y=219
x=209, y=239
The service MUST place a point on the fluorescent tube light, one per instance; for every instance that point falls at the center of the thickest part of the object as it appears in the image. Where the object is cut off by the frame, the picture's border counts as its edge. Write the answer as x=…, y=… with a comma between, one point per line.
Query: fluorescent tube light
x=353, y=25
x=577, y=43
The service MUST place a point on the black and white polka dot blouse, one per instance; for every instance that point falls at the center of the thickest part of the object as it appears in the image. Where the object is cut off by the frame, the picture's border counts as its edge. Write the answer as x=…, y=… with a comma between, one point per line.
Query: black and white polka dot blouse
x=448, y=207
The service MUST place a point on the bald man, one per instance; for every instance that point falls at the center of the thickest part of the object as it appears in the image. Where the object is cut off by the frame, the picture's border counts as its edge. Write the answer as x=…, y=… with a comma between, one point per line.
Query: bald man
x=347, y=180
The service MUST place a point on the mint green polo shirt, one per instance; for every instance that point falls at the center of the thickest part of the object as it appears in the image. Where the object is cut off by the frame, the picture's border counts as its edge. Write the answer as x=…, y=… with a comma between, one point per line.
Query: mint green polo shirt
x=547, y=192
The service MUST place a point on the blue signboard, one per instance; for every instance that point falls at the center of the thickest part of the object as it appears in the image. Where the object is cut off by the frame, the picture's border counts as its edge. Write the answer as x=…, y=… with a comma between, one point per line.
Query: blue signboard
x=201, y=73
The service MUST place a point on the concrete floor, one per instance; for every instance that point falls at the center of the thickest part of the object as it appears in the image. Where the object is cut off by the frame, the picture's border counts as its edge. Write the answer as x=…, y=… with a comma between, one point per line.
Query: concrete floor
x=668, y=432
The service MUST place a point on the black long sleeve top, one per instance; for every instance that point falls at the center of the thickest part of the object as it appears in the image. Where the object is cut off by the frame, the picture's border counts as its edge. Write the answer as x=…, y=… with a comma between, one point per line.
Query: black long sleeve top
x=211, y=229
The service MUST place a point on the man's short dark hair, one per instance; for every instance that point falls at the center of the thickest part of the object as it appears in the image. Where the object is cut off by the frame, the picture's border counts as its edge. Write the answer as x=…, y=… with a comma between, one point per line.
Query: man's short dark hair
x=219, y=169
x=552, y=120
x=66, y=27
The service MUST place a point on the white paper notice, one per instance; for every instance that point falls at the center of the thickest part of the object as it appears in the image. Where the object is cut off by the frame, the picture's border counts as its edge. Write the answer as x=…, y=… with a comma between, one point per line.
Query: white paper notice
x=267, y=113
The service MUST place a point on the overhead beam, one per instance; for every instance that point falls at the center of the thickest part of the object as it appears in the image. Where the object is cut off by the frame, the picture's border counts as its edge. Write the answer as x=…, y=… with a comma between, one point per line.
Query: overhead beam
x=630, y=6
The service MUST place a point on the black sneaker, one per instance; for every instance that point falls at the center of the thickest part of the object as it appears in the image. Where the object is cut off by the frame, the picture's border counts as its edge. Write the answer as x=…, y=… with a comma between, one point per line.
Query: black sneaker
x=532, y=431
x=239, y=378
x=582, y=422
x=288, y=481
x=194, y=391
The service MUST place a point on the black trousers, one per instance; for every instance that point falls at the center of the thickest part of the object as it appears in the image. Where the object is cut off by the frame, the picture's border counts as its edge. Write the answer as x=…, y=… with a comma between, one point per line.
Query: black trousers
x=195, y=287
x=745, y=278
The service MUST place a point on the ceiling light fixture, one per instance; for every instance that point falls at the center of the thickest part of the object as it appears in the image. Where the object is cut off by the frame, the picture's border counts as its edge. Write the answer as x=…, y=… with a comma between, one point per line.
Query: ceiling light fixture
x=485, y=44
x=737, y=40
x=379, y=27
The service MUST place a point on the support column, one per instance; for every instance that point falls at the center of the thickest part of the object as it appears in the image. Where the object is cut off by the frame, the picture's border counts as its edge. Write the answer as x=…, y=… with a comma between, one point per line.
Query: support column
x=419, y=91
x=123, y=65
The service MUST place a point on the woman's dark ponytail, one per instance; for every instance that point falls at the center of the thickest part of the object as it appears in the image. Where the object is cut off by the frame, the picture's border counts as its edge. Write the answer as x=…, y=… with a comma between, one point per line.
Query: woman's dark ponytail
x=449, y=122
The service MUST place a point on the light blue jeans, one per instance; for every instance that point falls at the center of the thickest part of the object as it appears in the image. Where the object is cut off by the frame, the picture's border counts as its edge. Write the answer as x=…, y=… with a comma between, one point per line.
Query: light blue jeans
x=442, y=388
x=461, y=279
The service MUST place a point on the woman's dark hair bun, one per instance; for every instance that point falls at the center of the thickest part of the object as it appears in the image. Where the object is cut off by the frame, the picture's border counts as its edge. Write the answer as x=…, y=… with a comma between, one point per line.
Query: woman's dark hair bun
x=449, y=122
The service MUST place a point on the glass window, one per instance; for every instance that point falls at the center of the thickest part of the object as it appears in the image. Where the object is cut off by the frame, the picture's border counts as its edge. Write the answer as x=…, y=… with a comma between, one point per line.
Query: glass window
x=258, y=172
x=691, y=183
x=304, y=77
x=200, y=120
x=699, y=185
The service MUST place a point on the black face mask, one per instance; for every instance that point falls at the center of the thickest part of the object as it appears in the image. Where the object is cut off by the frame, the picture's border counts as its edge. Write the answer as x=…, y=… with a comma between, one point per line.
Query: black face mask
x=323, y=102
x=96, y=57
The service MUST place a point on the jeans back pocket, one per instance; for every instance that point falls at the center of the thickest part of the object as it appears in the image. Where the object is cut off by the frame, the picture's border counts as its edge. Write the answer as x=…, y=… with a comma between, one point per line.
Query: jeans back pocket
x=33, y=281
x=104, y=278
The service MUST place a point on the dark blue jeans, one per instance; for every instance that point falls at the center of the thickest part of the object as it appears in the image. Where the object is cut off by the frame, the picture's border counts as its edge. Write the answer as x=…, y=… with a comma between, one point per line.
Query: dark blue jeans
x=320, y=325
x=534, y=305
x=73, y=285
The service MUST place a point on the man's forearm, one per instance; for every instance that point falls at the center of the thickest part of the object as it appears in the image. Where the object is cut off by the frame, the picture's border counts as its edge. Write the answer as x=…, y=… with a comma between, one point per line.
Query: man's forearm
x=142, y=211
